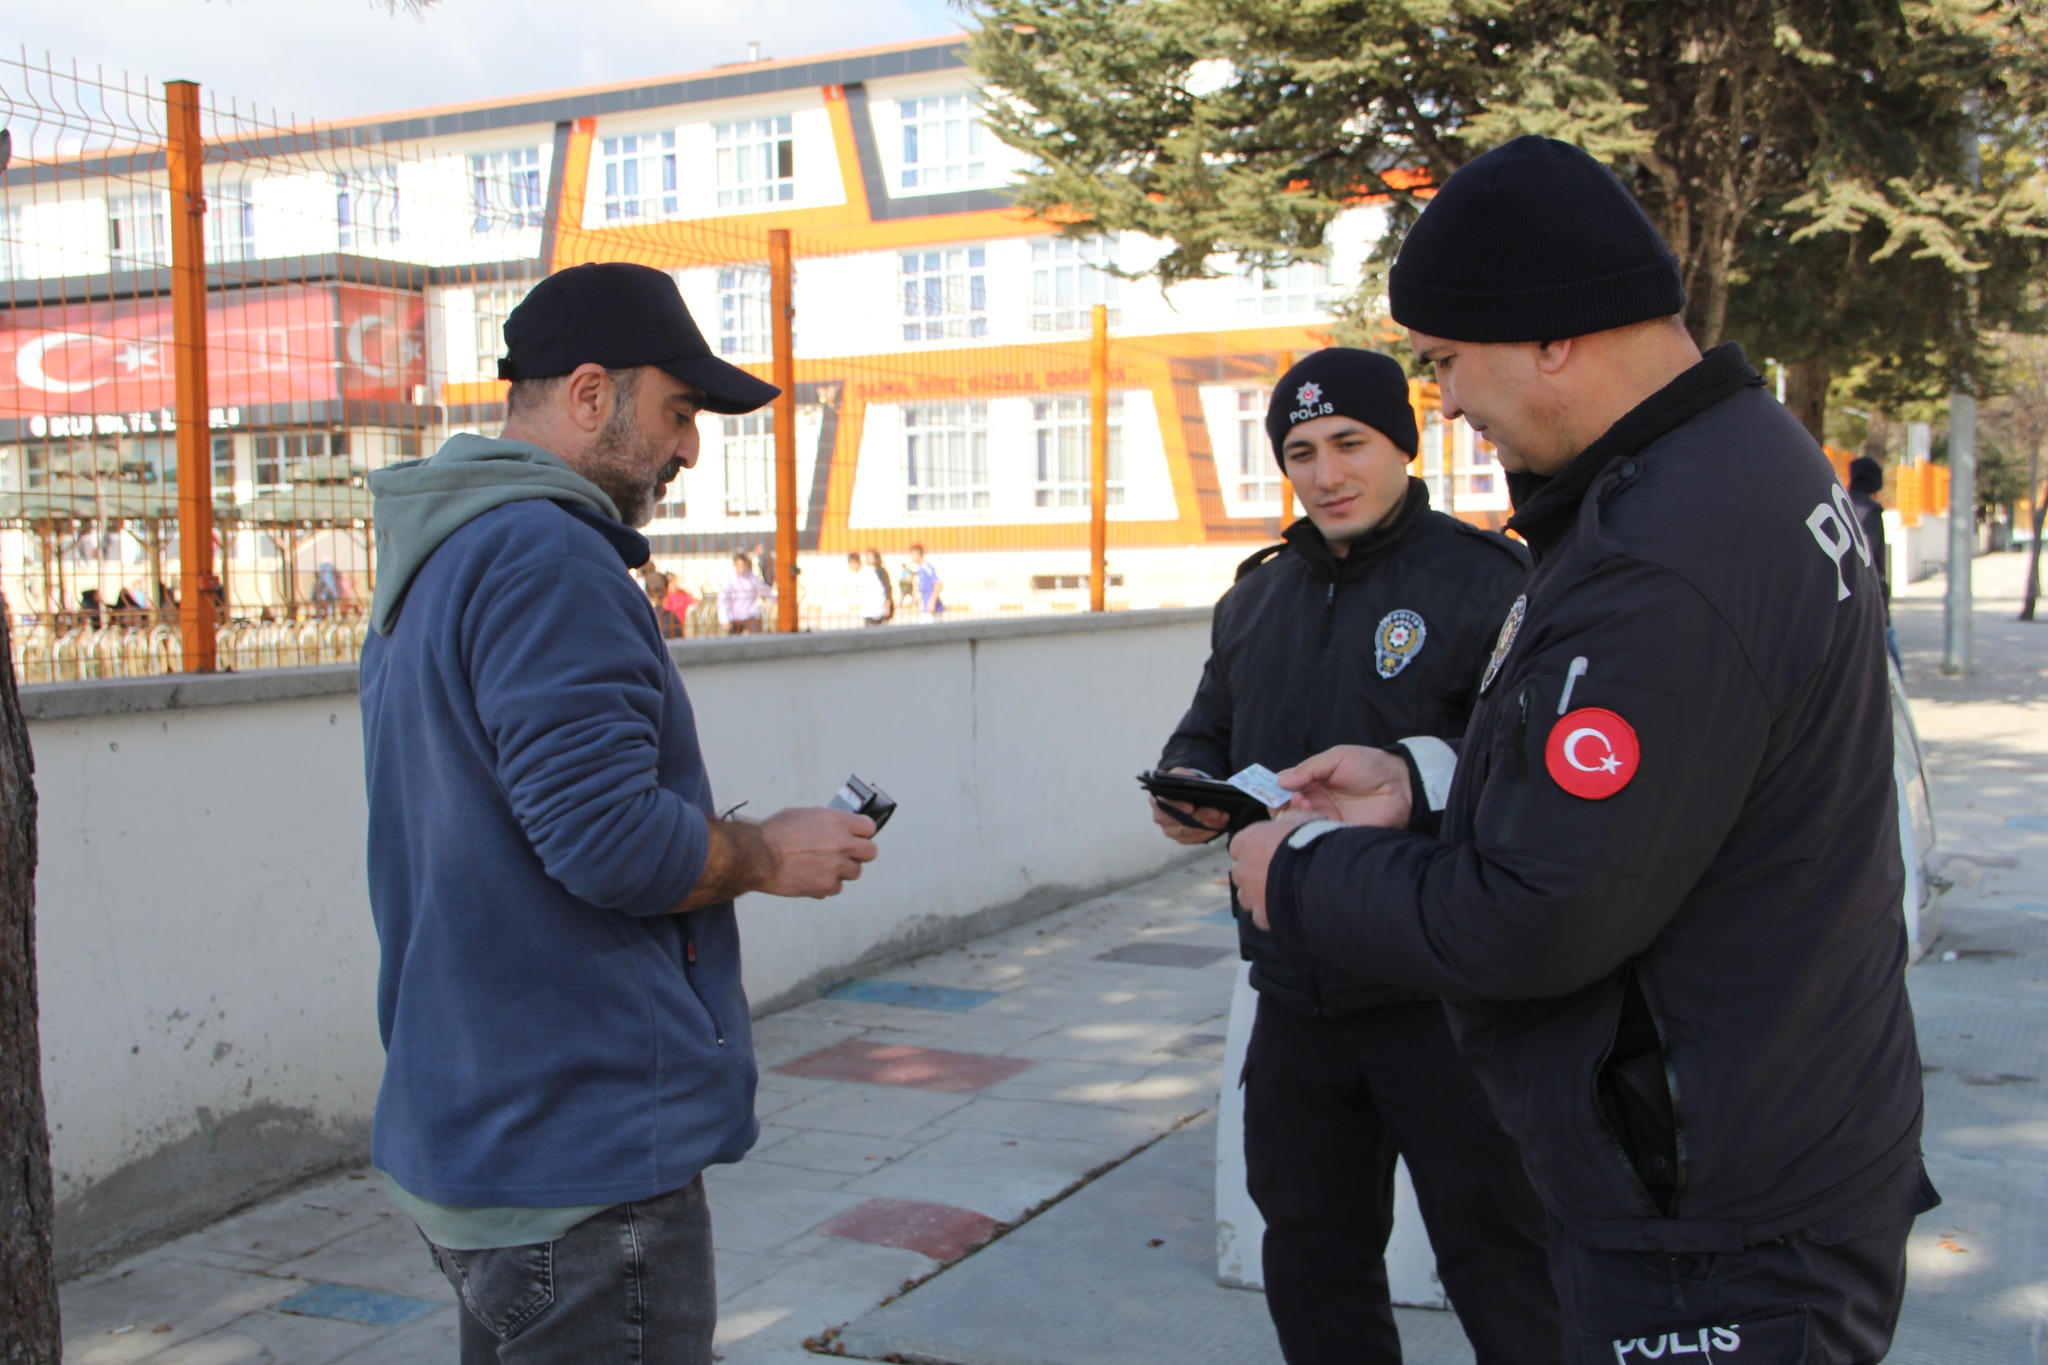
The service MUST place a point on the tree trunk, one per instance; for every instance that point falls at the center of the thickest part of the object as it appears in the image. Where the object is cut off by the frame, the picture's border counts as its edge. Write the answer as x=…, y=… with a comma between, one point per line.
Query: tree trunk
x=1806, y=394
x=28, y=1283
x=2034, y=495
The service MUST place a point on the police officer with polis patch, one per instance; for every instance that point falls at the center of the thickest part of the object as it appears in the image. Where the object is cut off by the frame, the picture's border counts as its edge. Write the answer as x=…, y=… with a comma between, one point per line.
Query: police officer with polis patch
x=1664, y=897
x=1372, y=622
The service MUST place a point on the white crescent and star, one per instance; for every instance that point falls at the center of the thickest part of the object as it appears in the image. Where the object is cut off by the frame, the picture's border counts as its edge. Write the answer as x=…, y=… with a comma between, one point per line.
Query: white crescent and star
x=1609, y=764
x=30, y=360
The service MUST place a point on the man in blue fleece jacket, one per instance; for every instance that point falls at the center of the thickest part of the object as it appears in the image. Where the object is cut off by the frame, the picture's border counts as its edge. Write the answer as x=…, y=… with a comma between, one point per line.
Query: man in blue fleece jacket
x=560, y=999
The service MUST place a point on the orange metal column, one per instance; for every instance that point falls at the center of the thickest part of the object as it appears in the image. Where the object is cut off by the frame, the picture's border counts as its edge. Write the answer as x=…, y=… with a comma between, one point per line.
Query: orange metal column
x=185, y=155
x=1098, y=463
x=782, y=307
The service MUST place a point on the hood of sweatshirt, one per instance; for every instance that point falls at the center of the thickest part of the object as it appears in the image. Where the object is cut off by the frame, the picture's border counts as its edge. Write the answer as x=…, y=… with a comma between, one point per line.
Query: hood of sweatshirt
x=420, y=503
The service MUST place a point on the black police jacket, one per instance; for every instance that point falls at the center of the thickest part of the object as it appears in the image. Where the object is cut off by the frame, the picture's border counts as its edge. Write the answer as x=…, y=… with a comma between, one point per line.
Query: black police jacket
x=1308, y=650
x=1670, y=849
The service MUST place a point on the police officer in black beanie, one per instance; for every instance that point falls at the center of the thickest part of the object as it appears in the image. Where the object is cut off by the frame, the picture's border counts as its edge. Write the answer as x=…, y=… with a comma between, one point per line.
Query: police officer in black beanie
x=1370, y=623
x=1662, y=891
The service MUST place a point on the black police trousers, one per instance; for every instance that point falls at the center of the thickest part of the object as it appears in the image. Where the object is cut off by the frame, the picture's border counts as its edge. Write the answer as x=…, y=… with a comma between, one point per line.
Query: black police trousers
x=1328, y=1105
x=1826, y=1296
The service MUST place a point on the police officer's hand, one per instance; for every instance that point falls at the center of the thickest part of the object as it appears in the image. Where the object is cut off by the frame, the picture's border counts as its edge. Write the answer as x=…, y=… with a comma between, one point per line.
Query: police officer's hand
x=815, y=851
x=1354, y=784
x=1251, y=858
x=1212, y=821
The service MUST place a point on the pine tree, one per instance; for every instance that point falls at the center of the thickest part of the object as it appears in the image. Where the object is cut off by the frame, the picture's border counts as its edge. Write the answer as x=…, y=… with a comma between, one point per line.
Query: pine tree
x=1799, y=156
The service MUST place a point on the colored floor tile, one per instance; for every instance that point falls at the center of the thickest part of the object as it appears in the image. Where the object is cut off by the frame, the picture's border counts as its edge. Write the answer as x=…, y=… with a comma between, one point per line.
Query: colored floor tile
x=1166, y=954
x=356, y=1305
x=1224, y=916
x=921, y=1068
x=2036, y=823
x=911, y=995
x=940, y=1231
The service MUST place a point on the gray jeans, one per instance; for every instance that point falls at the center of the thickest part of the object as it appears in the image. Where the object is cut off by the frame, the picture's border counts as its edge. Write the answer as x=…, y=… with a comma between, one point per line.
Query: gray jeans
x=631, y=1286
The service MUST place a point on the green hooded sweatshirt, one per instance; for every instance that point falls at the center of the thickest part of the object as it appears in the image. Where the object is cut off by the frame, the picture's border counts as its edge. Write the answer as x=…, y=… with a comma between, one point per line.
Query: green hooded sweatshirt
x=420, y=503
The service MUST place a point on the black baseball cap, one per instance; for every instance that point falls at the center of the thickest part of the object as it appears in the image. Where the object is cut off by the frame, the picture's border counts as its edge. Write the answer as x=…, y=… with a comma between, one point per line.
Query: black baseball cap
x=621, y=316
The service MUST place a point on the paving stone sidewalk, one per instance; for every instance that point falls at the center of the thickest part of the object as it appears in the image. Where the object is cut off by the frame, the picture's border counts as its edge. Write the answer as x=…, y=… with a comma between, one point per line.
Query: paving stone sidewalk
x=904, y=1119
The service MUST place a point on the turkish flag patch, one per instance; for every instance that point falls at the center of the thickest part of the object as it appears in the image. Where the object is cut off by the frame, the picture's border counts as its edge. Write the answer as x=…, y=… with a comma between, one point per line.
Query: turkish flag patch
x=1592, y=753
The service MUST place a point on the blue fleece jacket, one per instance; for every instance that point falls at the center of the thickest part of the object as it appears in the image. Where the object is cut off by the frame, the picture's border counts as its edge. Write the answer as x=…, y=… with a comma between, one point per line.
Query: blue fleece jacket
x=538, y=807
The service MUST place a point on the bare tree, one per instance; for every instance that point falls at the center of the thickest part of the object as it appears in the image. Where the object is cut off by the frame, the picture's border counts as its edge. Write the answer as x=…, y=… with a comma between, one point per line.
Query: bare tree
x=29, y=1332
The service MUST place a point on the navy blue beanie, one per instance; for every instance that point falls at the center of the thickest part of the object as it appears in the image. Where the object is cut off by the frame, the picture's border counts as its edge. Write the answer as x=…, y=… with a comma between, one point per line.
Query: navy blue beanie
x=1343, y=382
x=1534, y=241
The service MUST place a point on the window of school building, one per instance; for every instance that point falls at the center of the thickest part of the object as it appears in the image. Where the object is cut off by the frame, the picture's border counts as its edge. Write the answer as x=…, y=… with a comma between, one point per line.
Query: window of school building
x=366, y=207
x=639, y=173
x=138, y=234
x=1256, y=472
x=945, y=457
x=1062, y=432
x=945, y=293
x=507, y=191
x=942, y=142
x=749, y=460
x=743, y=322
x=756, y=162
x=1068, y=280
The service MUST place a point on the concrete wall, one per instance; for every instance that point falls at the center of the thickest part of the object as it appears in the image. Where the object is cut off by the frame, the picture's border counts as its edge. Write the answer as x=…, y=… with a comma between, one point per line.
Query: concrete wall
x=206, y=952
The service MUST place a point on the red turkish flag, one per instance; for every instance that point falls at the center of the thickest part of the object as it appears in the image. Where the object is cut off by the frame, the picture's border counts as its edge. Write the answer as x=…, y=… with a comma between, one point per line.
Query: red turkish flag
x=1592, y=753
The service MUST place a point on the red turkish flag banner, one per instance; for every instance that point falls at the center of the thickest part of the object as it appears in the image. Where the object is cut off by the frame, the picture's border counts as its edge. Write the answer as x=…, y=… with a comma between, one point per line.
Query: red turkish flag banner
x=1592, y=753
x=264, y=346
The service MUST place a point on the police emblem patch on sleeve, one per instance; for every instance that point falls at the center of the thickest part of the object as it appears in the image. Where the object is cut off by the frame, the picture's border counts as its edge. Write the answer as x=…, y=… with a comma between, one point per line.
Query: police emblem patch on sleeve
x=1506, y=641
x=1398, y=640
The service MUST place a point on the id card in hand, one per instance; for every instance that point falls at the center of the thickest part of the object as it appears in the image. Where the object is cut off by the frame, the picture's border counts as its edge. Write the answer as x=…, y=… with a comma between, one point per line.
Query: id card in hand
x=1262, y=785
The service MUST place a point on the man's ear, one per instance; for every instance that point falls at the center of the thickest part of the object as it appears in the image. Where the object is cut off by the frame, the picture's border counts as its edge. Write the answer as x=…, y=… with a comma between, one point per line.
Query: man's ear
x=588, y=397
x=1553, y=356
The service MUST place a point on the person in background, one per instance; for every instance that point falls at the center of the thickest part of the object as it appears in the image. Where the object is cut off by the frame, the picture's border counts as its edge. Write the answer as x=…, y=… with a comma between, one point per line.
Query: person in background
x=679, y=600
x=878, y=603
x=670, y=625
x=1866, y=481
x=741, y=598
x=924, y=576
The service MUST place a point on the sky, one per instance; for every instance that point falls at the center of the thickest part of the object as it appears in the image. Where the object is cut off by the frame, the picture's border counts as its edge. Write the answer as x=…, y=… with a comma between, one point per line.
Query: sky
x=328, y=59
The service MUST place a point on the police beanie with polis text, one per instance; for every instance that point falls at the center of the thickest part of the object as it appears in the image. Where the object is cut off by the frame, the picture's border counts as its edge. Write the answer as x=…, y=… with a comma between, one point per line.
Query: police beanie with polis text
x=1534, y=241
x=1342, y=382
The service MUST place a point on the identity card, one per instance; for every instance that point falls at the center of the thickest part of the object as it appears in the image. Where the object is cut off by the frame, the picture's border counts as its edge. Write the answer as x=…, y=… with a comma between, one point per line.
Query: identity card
x=1262, y=785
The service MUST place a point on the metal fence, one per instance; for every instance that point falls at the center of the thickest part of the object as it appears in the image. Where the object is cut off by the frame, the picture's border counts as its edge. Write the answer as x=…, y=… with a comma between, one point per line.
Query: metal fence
x=954, y=439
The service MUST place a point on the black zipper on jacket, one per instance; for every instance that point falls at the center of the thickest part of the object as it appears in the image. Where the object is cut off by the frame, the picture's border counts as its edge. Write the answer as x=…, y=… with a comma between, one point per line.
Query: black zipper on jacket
x=689, y=962
x=1671, y=1086
x=1518, y=766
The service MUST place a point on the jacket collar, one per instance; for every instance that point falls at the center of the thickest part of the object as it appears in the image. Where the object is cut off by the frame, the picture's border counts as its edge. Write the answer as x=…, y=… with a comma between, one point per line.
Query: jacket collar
x=1305, y=540
x=1547, y=507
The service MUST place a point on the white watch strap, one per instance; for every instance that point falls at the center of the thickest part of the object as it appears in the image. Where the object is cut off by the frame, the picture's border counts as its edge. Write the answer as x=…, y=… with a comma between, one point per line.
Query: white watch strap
x=1436, y=761
x=1312, y=831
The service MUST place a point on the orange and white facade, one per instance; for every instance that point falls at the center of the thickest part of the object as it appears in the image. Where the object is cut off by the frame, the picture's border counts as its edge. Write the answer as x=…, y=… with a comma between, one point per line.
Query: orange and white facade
x=941, y=334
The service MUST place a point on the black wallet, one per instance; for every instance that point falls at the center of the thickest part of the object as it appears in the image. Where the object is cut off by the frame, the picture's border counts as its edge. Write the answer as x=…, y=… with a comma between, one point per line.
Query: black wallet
x=1205, y=793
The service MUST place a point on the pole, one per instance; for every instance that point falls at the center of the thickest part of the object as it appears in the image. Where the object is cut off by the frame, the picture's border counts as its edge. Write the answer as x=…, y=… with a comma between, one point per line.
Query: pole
x=184, y=156
x=782, y=311
x=1098, y=463
x=1282, y=363
x=1962, y=447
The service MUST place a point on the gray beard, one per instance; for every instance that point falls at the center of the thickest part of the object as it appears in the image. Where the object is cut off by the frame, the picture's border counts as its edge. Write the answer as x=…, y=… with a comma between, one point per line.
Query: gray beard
x=615, y=461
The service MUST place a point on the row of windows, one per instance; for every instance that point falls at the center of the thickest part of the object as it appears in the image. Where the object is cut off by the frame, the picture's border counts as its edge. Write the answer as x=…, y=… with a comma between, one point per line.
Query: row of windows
x=944, y=295
x=945, y=457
